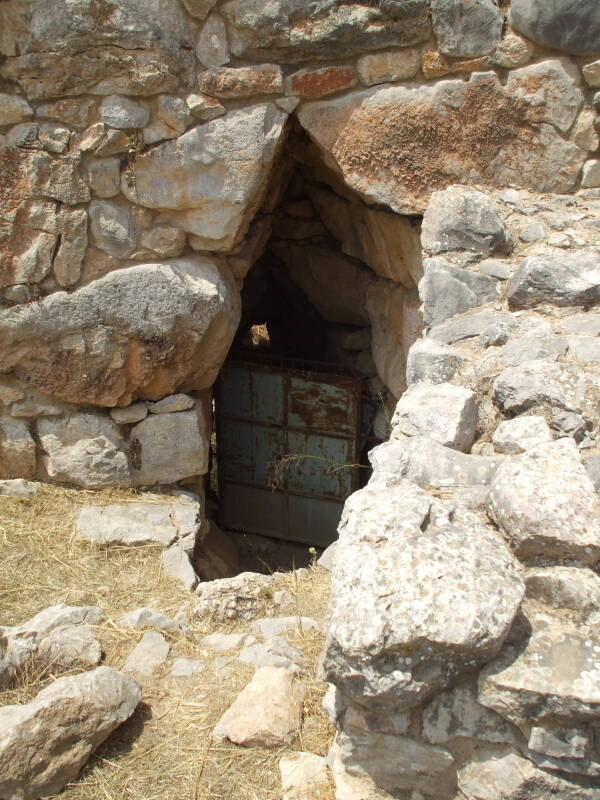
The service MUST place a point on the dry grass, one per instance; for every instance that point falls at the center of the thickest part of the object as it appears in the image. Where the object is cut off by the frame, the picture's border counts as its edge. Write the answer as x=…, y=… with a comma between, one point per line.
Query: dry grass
x=165, y=751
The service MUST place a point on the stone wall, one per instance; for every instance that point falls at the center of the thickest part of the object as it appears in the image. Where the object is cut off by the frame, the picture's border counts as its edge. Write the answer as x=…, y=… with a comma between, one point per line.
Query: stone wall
x=138, y=141
x=145, y=149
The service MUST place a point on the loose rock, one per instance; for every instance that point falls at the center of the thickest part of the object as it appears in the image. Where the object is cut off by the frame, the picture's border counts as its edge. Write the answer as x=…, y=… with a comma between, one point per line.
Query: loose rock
x=44, y=744
x=267, y=713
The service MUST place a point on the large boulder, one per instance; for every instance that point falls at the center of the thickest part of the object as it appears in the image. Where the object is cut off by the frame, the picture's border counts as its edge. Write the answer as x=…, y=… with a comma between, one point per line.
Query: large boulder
x=542, y=382
x=426, y=462
x=547, y=505
x=466, y=30
x=144, y=331
x=86, y=449
x=573, y=27
x=554, y=675
x=566, y=280
x=132, y=524
x=418, y=586
x=286, y=31
x=463, y=219
x=446, y=413
x=45, y=743
x=211, y=180
x=396, y=145
x=396, y=763
x=447, y=290
x=169, y=447
x=59, y=48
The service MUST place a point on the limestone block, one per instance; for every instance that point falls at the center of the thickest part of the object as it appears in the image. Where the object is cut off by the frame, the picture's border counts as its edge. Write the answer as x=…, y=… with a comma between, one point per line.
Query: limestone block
x=104, y=177
x=18, y=487
x=395, y=325
x=459, y=218
x=232, y=82
x=590, y=177
x=281, y=31
x=591, y=73
x=172, y=403
x=584, y=132
x=553, y=86
x=472, y=31
x=199, y=8
x=163, y=241
x=267, y=713
x=456, y=713
x=520, y=434
x=75, y=113
x=176, y=563
x=574, y=29
x=45, y=743
x=122, y=112
x=68, y=260
x=575, y=588
x=431, y=362
x=240, y=597
x=211, y=48
x=186, y=667
x=547, y=505
x=85, y=449
x=273, y=652
x=447, y=290
x=541, y=382
x=397, y=763
x=204, y=108
x=312, y=83
x=126, y=352
x=70, y=646
x=136, y=412
x=387, y=242
x=428, y=463
x=469, y=326
x=170, y=120
x=211, y=179
x=397, y=145
x=513, y=51
x=169, y=447
x=507, y=775
x=399, y=556
x=17, y=449
x=148, y=655
x=393, y=65
x=143, y=618
x=530, y=684
x=13, y=109
x=112, y=228
x=303, y=776
x=443, y=412
x=142, y=523
x=565, y=280
x=127, y=47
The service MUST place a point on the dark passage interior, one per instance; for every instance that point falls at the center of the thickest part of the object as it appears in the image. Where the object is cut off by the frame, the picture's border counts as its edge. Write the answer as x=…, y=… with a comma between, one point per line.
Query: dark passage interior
x=301, y=399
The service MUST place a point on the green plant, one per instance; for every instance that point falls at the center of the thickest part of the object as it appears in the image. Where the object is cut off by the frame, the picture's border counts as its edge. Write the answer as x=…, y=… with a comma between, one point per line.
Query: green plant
x=134, y=146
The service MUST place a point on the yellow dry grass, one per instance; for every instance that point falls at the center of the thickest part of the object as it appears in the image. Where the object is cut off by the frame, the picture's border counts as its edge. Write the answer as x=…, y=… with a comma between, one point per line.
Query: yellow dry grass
x=165, y=751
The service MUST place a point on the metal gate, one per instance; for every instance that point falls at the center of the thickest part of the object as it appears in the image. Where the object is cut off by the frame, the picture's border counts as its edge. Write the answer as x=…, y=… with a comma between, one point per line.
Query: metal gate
x=285, y=439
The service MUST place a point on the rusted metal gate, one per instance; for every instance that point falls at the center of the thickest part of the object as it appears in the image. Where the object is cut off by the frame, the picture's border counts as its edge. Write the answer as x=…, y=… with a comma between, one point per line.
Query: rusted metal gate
x=286, y=435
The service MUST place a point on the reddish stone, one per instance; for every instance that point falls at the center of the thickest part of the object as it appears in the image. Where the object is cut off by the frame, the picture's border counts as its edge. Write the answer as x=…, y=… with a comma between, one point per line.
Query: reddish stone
x=313, y=83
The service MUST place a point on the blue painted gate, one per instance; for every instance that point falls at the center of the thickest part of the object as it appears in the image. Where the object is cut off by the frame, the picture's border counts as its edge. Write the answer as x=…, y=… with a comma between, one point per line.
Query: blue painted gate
x=286, y=437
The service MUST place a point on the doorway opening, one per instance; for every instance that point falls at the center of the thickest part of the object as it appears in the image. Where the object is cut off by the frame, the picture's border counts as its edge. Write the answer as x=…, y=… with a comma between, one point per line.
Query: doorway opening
x=329, y=310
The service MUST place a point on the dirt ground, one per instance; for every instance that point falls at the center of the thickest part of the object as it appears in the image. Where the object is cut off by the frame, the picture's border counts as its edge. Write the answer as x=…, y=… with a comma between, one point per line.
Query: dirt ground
x=165, y=752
